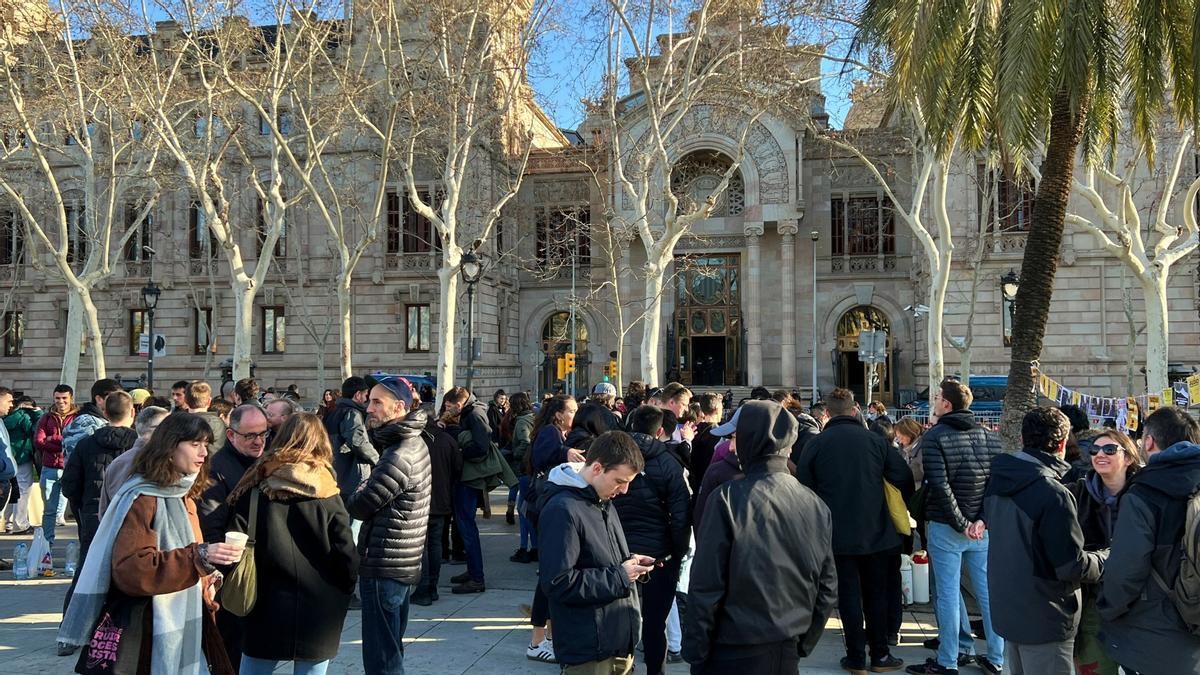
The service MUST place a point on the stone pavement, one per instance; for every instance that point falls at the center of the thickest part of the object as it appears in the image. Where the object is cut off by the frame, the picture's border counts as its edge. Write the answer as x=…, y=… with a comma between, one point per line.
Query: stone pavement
x=475, y=634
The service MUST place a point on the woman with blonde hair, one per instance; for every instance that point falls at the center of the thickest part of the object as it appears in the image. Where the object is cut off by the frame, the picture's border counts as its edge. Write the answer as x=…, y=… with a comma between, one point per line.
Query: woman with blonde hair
x=305, y=554
x=147, y=584
x=1114, y=458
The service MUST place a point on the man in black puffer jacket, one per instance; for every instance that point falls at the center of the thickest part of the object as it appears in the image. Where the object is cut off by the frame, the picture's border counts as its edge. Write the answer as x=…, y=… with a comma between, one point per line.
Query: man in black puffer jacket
x=654, y=515
x=587, y=571
x=763, y=580
x=83, y=476
x=957, y=457
x=393, y=504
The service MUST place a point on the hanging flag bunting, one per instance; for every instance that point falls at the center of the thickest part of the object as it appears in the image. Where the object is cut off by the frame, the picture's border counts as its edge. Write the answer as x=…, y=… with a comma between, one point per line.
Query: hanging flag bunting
x=1151, y=403
x=1132, y=422
x=1193, y=385
x=1168, y=397
x=1122, y=415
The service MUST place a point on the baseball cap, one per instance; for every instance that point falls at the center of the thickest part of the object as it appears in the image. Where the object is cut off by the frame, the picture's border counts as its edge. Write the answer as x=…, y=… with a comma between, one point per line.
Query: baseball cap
x=729, y=427
x=604, y=388
x=139, y=396
x=400, y=387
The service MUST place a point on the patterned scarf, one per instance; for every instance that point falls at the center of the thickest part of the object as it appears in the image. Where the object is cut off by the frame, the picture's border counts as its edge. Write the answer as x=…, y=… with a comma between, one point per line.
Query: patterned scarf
x=177, y=616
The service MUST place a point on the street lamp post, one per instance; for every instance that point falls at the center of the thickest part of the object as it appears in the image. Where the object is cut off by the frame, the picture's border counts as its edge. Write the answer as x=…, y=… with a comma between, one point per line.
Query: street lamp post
x=472, y=269
x=815, y=237
x=1009, y=284
x=150, y=298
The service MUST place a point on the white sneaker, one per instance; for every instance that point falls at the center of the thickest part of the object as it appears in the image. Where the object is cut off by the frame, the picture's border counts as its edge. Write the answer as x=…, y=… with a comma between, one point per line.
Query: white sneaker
x=543, y=652
x=61, y=522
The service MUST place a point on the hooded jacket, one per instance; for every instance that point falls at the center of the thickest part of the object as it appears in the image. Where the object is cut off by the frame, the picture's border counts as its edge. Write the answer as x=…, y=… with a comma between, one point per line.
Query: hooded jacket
x=20, y=423
x=719, y=473
x=474, y=418
x=704, y=445
x=48, y=437
x=1036, y=558
x=846, y=465
x=1141, y=628
x=655, y=511
x=89, y=419
x=957, y=454
x=763, y=570
x=83, y=477
x=353, y=454
x=394, y=501
x=581, y=549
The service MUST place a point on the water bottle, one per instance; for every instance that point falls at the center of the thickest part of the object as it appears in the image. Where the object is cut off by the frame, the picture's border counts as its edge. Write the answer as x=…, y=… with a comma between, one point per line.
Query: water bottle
x=72, y=559
x=20, y=564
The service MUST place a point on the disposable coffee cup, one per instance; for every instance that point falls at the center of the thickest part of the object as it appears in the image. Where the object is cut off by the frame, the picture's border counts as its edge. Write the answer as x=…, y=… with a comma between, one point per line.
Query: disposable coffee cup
x=238, y=539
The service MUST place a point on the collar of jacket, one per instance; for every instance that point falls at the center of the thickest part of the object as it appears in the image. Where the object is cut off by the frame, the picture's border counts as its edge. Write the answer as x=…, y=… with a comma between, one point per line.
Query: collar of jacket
x=844, y=419
x=651, y=447
x=961, y=420
x=62, y=416
x=350, y=403
x=92, y=409
x=298, y=479
x=1052, y=462
x=232, y=451
x=394, y=432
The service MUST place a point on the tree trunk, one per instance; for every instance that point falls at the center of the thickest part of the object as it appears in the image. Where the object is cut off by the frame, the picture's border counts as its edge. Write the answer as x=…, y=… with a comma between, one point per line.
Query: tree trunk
x=95, y=337
x=1154, y=291
x=321, y=378
x=939, y=279
x=652, y=325
x=1040, y=263
x=243, y=329
x=344, y=324
x=73, y=340
x=447, y=311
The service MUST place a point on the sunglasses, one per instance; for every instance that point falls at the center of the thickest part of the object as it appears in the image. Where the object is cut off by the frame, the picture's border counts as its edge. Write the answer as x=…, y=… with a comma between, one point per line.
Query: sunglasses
x=1108, y=449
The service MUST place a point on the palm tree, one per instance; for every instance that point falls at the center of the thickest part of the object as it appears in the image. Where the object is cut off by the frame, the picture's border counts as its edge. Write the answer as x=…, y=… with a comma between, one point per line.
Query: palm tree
x=1032, y=77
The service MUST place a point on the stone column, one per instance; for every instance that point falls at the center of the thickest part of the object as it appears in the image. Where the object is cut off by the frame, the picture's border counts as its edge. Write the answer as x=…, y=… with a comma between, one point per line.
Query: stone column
x=787, y=348
x=751, y=310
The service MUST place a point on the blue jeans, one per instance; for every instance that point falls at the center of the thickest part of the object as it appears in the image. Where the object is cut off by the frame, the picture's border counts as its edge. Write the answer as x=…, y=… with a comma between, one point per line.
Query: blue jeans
x=528, y=534
x=512, y=493
x=948, y=550
x=466, y=500
x=384, y=620
x=55, y=506
x=253, y=666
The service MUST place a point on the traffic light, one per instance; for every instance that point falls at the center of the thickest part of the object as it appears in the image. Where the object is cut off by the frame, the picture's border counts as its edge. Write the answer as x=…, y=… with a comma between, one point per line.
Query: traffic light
x=562, y=368
x=570, y=358
x=612, y=369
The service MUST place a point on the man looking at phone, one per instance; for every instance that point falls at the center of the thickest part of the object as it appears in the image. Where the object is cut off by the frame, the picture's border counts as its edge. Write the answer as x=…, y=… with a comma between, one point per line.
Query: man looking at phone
x=587, y=571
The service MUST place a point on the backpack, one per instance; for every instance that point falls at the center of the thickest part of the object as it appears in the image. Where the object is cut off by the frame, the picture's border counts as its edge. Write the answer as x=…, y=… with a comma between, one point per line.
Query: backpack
x=1185, y=593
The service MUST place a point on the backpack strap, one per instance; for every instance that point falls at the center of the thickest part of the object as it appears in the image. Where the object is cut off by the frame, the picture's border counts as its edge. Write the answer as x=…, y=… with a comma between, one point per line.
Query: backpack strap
x=254, y=497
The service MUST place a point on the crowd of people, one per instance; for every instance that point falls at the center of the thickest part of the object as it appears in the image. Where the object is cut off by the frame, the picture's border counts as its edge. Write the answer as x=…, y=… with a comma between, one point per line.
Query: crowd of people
x=656, y=522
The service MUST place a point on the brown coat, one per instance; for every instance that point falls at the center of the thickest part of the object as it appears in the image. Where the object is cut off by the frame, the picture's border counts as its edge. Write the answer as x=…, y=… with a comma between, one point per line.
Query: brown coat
x=140, y=569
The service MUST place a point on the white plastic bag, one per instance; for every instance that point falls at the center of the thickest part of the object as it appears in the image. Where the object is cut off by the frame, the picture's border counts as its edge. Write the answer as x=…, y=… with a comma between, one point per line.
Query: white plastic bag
x=41, y=561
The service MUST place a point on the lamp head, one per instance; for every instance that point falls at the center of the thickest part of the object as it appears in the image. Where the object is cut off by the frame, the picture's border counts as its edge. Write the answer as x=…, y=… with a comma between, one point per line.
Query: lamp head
x=471, y=267
x=150, y=295
x=1009, y=283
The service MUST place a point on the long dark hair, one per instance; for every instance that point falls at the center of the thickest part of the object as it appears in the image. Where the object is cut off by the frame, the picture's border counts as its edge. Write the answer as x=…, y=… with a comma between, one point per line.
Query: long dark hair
x=155, y=461
x=519, y=404
x=593, y=419
x=550, y=408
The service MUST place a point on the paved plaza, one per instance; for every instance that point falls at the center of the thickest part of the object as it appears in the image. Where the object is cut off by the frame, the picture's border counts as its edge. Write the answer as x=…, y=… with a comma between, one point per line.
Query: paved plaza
x=474, y=634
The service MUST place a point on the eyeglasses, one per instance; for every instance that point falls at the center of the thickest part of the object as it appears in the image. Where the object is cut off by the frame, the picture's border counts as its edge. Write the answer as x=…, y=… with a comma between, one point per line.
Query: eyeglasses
x=1108, y=449
x=253, y=437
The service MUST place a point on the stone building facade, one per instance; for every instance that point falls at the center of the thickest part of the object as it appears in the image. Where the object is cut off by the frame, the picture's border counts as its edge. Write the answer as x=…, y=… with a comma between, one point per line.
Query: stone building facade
x=800, y=256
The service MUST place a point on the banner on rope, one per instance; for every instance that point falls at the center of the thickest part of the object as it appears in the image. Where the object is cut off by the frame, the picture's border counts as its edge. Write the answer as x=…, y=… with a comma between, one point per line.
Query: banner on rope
x=1129, y=411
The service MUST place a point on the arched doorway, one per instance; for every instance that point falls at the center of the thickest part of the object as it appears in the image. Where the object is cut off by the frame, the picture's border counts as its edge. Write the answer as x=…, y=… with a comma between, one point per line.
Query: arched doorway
x=556, y=341
x=852, y=373
x=706, y=332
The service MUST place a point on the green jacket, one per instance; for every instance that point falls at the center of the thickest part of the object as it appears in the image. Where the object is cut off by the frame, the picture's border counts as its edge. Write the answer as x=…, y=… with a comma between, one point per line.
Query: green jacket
x=20, y=424
x=522, y=439
x=489, y=471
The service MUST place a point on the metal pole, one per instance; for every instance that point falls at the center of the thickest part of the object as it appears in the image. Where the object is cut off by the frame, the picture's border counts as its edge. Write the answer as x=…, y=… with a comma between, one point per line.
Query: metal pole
x=815, y=237
x=470, y=334
x=571, y=376
x=150, y=351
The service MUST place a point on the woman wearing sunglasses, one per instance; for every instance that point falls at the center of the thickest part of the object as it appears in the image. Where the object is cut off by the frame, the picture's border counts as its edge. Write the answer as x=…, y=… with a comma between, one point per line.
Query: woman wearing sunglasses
x=1114, y=460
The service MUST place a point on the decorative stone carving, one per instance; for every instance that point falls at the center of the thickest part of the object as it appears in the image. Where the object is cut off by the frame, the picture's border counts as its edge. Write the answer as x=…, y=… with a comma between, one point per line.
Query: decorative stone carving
x=754, y=229
x=787, y=227
x=694, y=243
x=761, y=147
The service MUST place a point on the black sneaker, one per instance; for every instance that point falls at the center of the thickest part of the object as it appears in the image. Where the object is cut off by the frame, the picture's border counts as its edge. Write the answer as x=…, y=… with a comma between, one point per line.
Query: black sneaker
x=856, y=666
x=987, y=666
x=533, y=555
x=674, y=657
x=468, y=586
x=931, y=667
x=65, y=649
x=966, y=660
x=886, y=664
x=460, y=578
x=421, y=598
x=932, y=644
x=521, y=556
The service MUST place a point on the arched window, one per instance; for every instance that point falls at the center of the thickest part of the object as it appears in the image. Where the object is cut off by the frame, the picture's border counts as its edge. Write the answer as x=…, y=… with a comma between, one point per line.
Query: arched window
x=556, y=341
x=695, y=177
